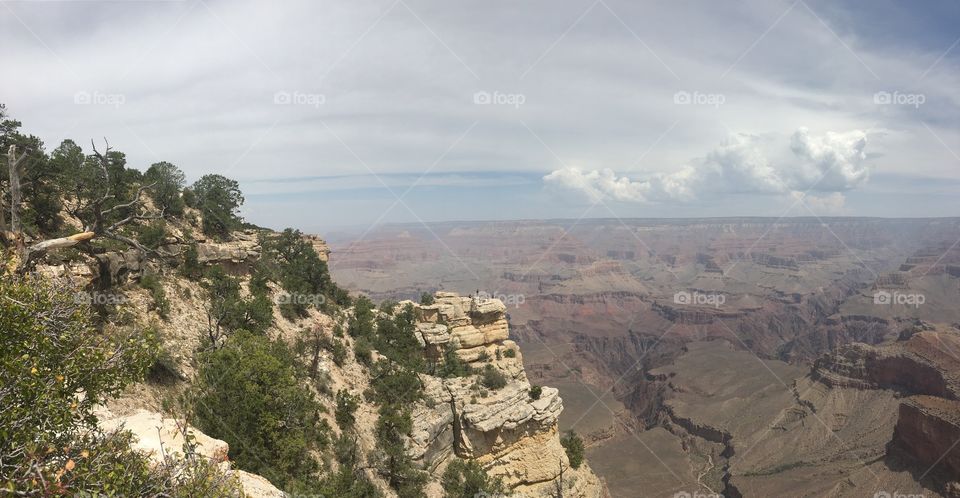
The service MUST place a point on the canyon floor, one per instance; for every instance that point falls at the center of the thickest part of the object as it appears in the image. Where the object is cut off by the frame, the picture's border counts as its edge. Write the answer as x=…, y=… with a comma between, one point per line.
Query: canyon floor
x=742, y=356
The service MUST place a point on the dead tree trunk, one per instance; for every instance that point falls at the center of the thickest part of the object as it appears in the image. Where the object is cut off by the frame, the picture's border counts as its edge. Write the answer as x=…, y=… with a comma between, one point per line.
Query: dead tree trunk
x=13, y=163
x=559, y=481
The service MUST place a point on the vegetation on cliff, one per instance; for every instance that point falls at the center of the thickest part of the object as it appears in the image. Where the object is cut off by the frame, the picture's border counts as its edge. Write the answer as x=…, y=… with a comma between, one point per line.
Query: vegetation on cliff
x=118, y=283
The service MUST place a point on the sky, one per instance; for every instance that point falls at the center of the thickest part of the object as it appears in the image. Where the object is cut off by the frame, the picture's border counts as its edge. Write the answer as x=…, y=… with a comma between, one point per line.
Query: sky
x=355, y=113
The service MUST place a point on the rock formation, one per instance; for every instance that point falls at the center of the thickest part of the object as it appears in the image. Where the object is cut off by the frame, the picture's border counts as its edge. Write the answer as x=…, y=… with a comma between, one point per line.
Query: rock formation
x=158, y=437
x=511, y=434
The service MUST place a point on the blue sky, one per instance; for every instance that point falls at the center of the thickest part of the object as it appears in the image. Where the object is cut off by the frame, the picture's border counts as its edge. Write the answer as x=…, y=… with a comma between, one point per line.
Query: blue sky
x=327, y=112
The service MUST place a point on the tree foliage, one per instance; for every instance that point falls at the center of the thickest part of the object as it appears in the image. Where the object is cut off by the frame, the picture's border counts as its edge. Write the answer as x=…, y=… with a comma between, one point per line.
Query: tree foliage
x=50, y=444
x=361, y=323
x=228, y=312
x=426, y=299
x=393, y=462
x=249, y=393
x=168, y=182
x=467, y=479
x=573, y=446
x=218, y=198
x=50, y=354
x=492, y=378
x=292, y=261
x=346, y=408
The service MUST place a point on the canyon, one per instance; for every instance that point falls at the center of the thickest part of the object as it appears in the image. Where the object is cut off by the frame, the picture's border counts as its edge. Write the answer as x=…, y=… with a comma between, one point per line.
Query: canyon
x=735, y=356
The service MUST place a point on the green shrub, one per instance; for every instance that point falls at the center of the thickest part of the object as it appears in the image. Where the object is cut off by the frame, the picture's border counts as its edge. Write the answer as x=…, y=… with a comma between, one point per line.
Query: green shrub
x=363, y=352
x=361, y=323
x=387, y=306
x=535, y=392
x=227, y=312
x=467, y=479
x=392, y=383
x=452, y=365
x=168, y=182
x=248, y=393
x=426, y=299
x=164, y=369
x=218, y=198
x=297, y=267
x=348, y=483
x=395, y=338
x=190, y=267
x=338, y=352
x=510, y=353
x=49, y=441
x=346, y=407
x=161, y=304
x=573, y=446
x=492, y=378
x=391, y=458
x=104, y=464
x=153, y=235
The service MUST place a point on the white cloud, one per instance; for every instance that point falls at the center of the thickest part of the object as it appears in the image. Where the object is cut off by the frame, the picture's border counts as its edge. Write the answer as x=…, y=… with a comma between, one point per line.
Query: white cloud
x=834, y=161
x=831, y=162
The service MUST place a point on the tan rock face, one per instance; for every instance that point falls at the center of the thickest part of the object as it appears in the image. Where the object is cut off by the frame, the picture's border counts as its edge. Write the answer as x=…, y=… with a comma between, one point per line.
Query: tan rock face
x=242, y=248
x=926, y=430
x=156, y=436
x=320, y=246
x=513, y=436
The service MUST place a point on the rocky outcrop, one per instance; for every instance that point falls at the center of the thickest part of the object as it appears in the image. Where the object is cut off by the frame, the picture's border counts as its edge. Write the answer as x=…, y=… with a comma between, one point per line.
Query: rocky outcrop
x=927, y=430
x=158, y=437
x=115, y=268
x=242, y=248
x=918, y=365
x=319, y=245
x=513, y=435
x=921, y=366
x=475, y=328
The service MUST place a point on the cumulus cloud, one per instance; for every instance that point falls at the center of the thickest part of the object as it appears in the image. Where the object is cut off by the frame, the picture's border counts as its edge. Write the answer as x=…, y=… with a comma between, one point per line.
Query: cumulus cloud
x=832, y=162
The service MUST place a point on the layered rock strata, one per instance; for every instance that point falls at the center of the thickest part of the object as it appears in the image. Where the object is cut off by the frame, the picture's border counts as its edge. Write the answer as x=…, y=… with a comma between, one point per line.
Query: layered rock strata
x=510, y=432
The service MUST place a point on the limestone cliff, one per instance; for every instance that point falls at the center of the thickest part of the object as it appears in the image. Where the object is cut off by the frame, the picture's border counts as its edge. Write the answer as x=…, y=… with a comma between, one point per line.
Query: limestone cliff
x=513, y=435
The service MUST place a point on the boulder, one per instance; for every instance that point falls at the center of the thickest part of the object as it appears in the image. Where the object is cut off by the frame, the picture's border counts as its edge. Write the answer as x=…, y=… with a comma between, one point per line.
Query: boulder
x=156, y=435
